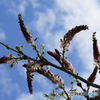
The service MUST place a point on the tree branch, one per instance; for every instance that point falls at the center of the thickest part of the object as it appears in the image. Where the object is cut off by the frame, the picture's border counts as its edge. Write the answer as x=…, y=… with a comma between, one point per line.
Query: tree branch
x=46, y=62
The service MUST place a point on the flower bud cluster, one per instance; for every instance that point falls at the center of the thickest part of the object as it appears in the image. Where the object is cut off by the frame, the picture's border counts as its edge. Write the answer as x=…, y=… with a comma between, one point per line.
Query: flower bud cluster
x=29, y=81
x=5, y=59
x=67, y=65
x=53, y=78
x=96, y=52
x=92, y=77
x=24, y=30
x=70, y=34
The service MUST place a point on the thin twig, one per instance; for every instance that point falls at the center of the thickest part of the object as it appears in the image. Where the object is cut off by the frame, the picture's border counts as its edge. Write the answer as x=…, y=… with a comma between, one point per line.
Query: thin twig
x=20, y=52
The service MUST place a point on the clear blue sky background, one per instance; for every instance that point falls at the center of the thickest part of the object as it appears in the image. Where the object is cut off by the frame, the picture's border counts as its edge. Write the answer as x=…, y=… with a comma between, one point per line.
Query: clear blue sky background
x=48, y=20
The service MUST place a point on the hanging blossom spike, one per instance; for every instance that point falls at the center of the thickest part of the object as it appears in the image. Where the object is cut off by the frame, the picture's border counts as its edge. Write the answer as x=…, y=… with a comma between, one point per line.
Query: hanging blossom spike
x=40, y=70
x=55, y=55
x=5, y=59
x=30, y=75
x=67, y=64
x=96, y=52
x=29, y=81
x=92, y=77
x=47, y=74
x=70, y=35
x=24, y=30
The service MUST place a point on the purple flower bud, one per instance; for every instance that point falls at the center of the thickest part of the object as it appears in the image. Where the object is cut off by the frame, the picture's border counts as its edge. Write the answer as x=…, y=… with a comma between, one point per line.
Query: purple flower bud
x=92, y=77
x=55, y=55
x=4, y=60
x=60, y=81
x=24, y=30
x=69, y=66
x=29, y=81
x=70, y=35
x=96, y=53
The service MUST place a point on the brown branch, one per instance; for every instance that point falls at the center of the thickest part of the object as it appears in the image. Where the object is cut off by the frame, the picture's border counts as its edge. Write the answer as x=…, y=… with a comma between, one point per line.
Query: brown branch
x=74, y=75
x=46, y=62
x=20, y=52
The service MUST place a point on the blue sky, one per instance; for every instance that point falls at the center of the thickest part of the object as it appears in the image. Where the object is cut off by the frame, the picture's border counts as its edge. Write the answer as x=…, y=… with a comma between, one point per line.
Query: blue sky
x=48, y=20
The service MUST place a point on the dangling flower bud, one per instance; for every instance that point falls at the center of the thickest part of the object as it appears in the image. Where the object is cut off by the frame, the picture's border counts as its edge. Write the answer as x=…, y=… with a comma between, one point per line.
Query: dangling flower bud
x=70, y=34
x=68, y=66
x=55, y=55
x=29, y=81
x=66, y=63
x=4, y=60
x=24, y=30
x=96, y=53
x=92, y=77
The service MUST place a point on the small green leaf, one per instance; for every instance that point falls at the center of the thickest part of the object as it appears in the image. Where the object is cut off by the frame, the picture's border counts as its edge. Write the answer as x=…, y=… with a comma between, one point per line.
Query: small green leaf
x=34, y=47
x=74, y=90
x=43, y=52
x=66, y=57
x=42, y=47
x=47, y=96
x=22, y=45
x=48, y=67
x=11, y=66
x=77, y=73
x=72, y=83
x=18, y=47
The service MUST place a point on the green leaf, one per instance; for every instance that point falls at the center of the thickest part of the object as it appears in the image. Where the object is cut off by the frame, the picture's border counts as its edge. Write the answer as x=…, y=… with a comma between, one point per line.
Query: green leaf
x=22, y=45
x=53, y=93
x=48, y=67
x=43, y=52
x=74, y=90
x=42, y=47
x=47, y=96
x=18, y=47
x=34, y=47
x=11, y=66
x=77, y=73
x=72, y=83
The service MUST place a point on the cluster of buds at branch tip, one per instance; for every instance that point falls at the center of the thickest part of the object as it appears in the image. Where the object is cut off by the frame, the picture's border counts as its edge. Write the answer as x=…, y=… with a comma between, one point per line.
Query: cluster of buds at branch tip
x=29, y=81
x=53, y=78
x=61, y=82
x=55, y=55
x=92, y=77
x=24, y=30
x=66, y=64
x=96, y=52
x=70, y=34
x=29, y=74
